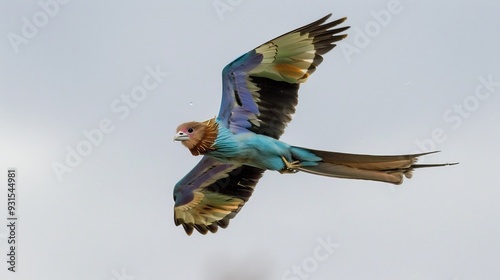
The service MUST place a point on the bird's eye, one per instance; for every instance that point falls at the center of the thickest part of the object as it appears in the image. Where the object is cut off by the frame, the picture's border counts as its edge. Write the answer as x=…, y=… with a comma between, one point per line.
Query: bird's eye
x=190, y=130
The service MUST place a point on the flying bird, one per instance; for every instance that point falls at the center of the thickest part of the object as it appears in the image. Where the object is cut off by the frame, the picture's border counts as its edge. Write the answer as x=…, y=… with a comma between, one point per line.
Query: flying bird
x=259, y=96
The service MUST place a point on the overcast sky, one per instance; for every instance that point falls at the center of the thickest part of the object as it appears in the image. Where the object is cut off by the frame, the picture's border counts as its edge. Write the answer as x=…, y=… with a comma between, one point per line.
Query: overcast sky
x=91, y=93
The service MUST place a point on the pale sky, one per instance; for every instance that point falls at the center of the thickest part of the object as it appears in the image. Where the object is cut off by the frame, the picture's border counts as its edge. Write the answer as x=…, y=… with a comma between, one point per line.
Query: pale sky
x=95, y=89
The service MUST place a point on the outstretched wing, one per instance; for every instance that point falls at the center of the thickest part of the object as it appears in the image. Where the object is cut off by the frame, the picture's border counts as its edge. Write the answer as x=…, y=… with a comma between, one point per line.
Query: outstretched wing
x=260, y=88
x=212, y=193
x=259, y=95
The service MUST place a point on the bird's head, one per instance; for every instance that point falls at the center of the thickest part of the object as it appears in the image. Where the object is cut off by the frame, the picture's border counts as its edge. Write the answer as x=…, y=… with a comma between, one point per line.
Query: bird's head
x=198, y=137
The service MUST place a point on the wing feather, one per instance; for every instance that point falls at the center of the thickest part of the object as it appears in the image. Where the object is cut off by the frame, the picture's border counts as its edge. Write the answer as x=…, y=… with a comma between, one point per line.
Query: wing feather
x=260, y=87
x=212, y=193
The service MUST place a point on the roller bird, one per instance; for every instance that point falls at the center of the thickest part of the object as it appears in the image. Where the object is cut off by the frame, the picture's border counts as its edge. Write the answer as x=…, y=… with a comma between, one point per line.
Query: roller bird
x=259, y=96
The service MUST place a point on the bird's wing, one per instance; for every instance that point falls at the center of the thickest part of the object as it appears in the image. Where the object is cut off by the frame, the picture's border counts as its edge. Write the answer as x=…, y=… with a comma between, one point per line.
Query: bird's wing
x=212, y=193
x=260, y=87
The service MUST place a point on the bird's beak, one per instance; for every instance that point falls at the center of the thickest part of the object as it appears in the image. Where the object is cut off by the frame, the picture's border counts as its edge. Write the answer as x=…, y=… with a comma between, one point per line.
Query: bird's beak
x=181, y=136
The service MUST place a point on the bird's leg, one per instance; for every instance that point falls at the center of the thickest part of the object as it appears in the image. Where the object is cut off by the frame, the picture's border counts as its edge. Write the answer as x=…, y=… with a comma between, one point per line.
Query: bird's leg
x=290, y=167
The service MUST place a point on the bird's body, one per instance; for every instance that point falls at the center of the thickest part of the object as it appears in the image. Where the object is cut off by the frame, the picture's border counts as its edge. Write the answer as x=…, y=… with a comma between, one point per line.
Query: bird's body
x=259, y=96
x=253, y=149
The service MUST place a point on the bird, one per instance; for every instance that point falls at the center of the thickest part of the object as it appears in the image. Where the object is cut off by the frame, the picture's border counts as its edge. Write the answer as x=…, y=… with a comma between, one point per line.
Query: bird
x=259, y=96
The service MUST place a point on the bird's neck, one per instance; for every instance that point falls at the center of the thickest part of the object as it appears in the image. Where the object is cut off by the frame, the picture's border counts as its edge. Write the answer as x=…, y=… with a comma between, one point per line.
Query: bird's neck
x=206, y=143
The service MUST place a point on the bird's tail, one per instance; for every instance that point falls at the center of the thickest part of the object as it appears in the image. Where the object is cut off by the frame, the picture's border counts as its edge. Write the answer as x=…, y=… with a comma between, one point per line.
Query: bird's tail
x=389, y=169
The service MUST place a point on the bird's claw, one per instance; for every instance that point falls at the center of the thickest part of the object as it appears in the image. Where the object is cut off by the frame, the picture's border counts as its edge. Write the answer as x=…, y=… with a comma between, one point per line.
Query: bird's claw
x=290, y=167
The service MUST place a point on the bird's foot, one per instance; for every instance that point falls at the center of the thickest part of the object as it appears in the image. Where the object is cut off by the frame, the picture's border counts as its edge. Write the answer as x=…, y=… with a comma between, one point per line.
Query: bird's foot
x=290, y=167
